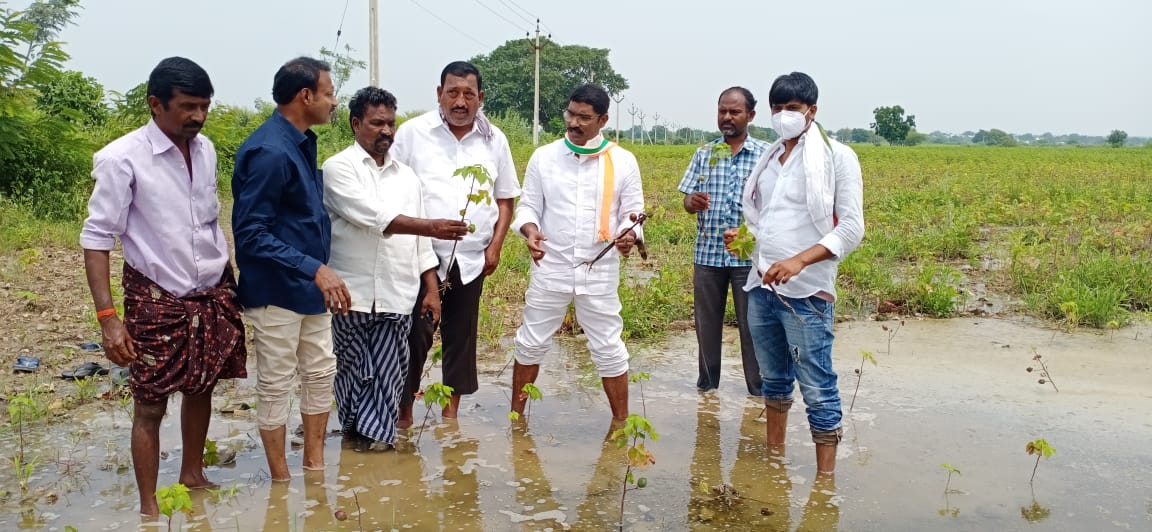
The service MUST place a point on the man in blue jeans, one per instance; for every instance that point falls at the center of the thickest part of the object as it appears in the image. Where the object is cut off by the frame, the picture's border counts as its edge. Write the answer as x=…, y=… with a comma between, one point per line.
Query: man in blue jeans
x=804, y=204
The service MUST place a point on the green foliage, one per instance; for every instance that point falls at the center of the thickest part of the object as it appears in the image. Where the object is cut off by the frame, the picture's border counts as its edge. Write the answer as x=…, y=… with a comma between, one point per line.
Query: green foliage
x=994, y=137
x=75, y=96
x=509, y=70
x=950, y=469
x=935, y=291
x=639, y=376
x=532, y=391
x=173, y=498
x=211, y=453
x=891, y=124
x=720, y=152
x=343, y=64
x=744, y=243
x=438, y=393
x=1117, y=138
x=1042, y=449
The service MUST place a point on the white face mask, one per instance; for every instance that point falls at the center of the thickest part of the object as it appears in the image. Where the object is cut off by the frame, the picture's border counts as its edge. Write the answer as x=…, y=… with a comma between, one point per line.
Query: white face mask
x=789, y=124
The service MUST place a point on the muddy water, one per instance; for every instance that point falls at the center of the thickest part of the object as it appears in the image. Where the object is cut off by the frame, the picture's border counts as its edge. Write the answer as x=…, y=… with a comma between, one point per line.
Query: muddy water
x=953, y=391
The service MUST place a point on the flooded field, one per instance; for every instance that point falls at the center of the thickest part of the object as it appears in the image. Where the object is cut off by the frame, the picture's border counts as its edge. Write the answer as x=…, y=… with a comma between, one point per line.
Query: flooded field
x=950, y=391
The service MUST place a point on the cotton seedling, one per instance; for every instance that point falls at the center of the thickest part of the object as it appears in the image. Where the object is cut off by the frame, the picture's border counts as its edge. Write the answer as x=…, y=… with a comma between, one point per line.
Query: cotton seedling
x=637, y=430
x=948, y=482
x=436, y=393
x=173, y=498
x=744, y=243
x=529, y=392
x=865, y=356
x=477, y=176
x=1041, y=449
x=1045, y=375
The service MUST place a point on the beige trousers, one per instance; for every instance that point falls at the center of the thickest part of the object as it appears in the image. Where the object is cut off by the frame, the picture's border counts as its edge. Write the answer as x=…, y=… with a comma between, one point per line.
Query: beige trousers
x=288, y=345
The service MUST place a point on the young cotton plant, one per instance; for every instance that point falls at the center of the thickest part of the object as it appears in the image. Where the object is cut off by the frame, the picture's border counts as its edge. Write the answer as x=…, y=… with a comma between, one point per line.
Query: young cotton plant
x=637, y=430
x=436, y=393
x=865, y=356
x=173, y=498
x=1042, y=449
x=477, y=176
x=530, y=392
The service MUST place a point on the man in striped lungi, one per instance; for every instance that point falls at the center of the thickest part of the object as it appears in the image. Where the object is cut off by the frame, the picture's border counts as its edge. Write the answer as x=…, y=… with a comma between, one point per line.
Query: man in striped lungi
x=381, y=248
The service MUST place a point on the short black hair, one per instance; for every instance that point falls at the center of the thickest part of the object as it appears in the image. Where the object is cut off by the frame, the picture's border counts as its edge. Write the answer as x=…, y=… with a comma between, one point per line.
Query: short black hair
x=593, y=95
x=296, y=75
x=462, y=69
x=178, y=74
x=794, y=86
x=749, y=100
x=369, y=97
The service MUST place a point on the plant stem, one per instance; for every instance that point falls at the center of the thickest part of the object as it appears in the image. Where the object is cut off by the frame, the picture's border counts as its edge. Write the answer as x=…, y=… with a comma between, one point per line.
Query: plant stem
x=1047, y=375
x=359, y=510
x=452, y=256
x=423, y=424
x=643, y=403
x=859, y=378
x=1038, y=455
x=946, y=484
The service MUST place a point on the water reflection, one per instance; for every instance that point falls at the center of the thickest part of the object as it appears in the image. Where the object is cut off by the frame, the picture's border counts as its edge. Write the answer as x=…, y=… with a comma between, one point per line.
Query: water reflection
x=822, y=511
x=534, y=494
x=757, y=493
x=600, y=509
x=1035, y=513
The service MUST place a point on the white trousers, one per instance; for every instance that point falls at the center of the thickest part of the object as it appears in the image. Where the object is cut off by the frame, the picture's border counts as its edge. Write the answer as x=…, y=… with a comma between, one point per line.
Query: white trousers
x=598, y=316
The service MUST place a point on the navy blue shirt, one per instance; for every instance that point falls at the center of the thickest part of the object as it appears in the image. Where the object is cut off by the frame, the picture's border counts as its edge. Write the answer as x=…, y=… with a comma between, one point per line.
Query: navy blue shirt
x=283, y=234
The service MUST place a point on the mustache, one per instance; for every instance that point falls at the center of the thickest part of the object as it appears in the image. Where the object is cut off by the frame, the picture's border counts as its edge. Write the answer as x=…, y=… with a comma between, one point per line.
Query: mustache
x=382, y=138
x=460, y=108
x=193, y=124
x=575, y=130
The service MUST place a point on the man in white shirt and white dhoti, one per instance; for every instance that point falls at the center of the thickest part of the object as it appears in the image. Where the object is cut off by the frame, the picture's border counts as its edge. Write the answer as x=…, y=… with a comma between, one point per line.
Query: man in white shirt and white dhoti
x=382, y=250
x=580, y=195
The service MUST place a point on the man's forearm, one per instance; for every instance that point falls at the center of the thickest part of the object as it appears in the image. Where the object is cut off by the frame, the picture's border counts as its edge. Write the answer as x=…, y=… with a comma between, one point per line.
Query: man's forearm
x=431, y=280
x=96, y=269
x=814, y=254
x=406, y=225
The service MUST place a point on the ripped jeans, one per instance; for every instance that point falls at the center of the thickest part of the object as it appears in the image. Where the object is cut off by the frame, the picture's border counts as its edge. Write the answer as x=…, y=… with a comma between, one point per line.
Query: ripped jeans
x=796, y=347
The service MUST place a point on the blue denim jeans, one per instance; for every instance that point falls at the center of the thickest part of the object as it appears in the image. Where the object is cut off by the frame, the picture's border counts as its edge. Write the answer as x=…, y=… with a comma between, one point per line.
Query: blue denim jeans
x=796, y=347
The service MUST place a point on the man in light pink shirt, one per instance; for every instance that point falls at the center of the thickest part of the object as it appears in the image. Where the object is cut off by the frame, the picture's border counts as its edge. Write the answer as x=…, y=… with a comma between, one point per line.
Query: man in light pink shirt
x=156, y=191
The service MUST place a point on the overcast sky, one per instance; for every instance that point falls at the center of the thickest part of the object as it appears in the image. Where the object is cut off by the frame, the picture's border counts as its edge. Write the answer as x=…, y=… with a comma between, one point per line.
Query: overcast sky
x=1061, y=66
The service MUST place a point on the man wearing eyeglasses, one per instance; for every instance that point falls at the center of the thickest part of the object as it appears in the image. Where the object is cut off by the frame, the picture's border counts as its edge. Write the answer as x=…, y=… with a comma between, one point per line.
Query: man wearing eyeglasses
x=581, y=194
x=435, y=145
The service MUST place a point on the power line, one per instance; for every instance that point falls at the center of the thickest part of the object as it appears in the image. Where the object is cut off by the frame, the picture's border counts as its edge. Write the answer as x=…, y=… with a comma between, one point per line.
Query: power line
x=502, y=17
x=340, y=29
x=449, y=24
x=515, y=12
x=526, y=12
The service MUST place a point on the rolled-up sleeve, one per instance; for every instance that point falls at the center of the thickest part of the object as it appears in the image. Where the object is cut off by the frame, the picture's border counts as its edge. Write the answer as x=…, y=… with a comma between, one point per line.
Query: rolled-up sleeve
x=848, y=205
x=108, y=206
x=528, y=210
x=424, y=252
x=257, y=187
x=345, y=197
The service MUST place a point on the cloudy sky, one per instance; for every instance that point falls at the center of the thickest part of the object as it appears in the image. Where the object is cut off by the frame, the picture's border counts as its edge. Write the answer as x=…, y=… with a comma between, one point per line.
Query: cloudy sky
x=1061, y=66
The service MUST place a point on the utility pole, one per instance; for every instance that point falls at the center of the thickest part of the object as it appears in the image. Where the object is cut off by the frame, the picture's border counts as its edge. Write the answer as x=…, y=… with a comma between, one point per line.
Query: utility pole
x=373, y=44
x=641, y=115
x=655, y=124
x=618, y=98
x=632, y=111
x=536, y=87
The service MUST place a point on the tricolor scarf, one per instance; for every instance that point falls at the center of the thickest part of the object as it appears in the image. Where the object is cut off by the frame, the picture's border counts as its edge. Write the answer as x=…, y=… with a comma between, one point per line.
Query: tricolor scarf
x=608, y=183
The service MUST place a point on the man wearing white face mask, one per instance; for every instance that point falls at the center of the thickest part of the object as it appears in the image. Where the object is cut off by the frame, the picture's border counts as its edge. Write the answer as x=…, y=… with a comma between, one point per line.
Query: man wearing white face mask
x=804, y=204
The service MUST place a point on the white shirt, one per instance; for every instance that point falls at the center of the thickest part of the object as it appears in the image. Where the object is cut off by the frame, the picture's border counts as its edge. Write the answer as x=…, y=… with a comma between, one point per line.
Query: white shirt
x=427, y=145
x=780, y=214
x=562, y=196
x=382, y=271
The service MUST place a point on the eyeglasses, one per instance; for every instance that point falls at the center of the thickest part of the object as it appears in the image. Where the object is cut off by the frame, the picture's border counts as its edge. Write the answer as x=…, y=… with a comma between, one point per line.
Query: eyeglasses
x=580, y=119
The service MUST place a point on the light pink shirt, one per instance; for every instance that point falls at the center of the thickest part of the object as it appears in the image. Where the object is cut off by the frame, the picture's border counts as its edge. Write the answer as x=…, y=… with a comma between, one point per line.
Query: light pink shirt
x=166, y=220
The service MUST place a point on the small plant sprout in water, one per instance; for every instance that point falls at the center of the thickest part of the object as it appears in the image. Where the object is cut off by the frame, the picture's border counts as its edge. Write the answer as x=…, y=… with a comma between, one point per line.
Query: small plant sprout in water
x=865, y=356
x=173, y=498
x=436, y=393
x=477, y=176
x=530, y=392
x=636, y=431
x=639, y=378
x=1045, y=376
x=1113, y=326
x=948, y=482
x=1041, y=449
x=891, y=331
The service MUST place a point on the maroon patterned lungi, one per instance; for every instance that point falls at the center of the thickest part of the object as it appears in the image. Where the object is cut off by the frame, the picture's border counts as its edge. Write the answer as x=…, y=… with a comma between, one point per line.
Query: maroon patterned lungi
x=182, y=344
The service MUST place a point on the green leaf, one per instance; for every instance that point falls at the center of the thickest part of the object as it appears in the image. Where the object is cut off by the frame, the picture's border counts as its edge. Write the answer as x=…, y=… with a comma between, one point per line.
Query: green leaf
x=513, y=415
x=867, y=355
x=211, y=457
x=950, y=468
x=532, y=391
x=744, y=243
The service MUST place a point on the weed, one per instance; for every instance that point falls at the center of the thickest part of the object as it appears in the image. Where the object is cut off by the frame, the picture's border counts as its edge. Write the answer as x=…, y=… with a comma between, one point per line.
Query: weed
x=1113, y=326
x=86, y=389
x=1041, y=449
x=1045, y=376
x=22, y=409
x=865, y=356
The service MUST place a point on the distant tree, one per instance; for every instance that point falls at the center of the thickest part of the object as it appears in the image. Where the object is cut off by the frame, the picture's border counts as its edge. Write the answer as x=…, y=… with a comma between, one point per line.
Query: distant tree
x=994, y=137
x=914, y=137
x=344, y=64
x=891, y=123
x=763, y=133
x=1117, y=138
x=508, y=71
x=73, y=96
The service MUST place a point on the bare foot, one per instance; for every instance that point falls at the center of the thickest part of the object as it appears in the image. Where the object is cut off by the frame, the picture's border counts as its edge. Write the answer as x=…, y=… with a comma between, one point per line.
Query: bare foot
x=197, y=481
x=452, y=407
x=404, y=423
x=149, y=510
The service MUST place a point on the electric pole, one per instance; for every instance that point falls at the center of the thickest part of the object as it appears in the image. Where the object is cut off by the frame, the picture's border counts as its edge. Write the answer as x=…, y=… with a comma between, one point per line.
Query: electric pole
x=632, y=111
x=618, y=98
x=641, y=115
x=536, y=88
x=655, y=124
x=373, y=44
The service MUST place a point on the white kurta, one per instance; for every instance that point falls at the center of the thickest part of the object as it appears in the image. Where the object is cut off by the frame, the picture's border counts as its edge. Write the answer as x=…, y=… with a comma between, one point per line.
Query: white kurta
x=562, y=195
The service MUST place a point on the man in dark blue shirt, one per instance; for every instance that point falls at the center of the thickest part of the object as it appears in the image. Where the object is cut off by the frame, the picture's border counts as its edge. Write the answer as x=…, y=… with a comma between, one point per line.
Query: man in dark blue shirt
x=282, y=237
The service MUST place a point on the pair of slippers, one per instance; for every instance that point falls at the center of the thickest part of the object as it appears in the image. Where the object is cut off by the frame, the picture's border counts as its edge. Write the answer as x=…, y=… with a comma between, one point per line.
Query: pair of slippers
x=118, y=374
x=30, y=364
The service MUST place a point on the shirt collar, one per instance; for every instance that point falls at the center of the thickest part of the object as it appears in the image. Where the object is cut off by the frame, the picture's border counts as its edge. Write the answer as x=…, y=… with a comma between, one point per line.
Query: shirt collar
x=298, y=137
x=389, y=161
x=480, y=125
x=160, y=142
x=749, y=143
